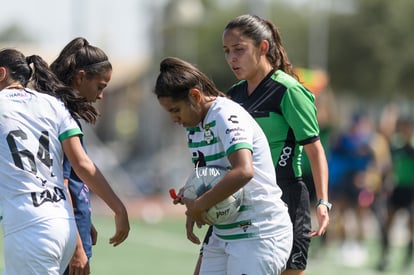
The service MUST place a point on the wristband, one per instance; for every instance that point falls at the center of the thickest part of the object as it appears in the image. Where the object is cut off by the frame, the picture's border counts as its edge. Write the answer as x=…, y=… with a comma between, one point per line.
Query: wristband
x=324, y=202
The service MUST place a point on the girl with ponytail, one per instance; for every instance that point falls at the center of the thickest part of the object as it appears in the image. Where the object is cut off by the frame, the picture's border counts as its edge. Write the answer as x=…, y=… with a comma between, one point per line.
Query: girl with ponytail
x=271, y=92
x=36, y=129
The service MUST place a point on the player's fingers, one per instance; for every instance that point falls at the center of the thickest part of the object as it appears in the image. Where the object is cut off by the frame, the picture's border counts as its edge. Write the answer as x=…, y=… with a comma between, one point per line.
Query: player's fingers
x=199, y=225
x=314, y=234
x=94, y=235
x=178, y=201
x=122, y=229
x=79, y=270
x=193, y=238
x=176, y=198
x=118, y=238
x=206, y=220
x=318, y=233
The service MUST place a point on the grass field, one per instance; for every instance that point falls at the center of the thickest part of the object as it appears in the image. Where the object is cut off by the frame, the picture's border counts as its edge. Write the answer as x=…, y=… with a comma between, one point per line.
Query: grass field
x=161, y=248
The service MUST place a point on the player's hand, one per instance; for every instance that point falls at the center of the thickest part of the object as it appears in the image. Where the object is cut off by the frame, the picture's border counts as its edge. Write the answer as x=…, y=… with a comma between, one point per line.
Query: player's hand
x=79, y=264
x=322, y=215
x=122, y=228
x=194, y=213
x=189, y=226
x=176, y=197
x=94, y=235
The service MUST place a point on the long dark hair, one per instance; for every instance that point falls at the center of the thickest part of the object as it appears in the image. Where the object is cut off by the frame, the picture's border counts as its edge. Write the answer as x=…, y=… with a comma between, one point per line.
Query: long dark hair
x=41, y=79
x=77, y=55
x=177, y=77
x=259, y=29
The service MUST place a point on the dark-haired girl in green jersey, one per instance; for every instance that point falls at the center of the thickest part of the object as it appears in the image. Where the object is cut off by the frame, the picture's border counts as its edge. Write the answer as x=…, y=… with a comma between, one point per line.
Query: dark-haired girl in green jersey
x=270, y=91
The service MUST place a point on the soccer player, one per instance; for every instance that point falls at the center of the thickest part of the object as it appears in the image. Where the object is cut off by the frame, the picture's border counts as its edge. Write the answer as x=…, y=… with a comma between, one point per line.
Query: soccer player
x=35, y=131
x=87, y=70
x=220, y=132
x=401, y=192
x=270, y=91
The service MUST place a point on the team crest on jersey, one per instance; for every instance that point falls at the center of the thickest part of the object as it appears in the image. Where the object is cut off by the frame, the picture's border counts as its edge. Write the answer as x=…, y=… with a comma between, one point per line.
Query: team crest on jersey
x=245, y=225
x=208, y=134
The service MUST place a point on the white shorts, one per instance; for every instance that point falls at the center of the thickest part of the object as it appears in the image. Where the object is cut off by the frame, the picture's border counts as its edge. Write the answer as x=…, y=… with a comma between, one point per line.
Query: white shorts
x=43, y=248
x=251, y=257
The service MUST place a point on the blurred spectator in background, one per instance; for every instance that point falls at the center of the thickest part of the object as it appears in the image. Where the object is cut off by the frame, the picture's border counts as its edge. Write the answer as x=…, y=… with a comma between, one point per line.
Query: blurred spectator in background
x=351, y=155
x=401, y=195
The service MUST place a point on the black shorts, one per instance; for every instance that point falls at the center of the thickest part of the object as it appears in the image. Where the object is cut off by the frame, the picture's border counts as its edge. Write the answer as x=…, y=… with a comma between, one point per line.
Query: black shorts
x=402, y=197
x=296, y=196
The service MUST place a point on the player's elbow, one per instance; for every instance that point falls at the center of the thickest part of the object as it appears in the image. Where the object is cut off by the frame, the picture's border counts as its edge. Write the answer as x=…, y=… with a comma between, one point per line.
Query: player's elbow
x=84, y=167
x=246, y=174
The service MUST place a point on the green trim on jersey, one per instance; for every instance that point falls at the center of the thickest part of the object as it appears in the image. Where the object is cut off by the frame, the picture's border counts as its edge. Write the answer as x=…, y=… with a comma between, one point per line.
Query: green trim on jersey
x=297, y=106
x=286, y=112
x=202, y=143
x=233, y=225
x=194, y=129
x=238, y=146
x=263, y=214
x=70, y=133
x=210, y=125
x=237, y=236
x=198, y=129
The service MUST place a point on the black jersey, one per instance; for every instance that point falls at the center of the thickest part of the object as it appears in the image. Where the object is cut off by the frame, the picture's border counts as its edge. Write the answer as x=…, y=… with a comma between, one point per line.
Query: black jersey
x=286, y=112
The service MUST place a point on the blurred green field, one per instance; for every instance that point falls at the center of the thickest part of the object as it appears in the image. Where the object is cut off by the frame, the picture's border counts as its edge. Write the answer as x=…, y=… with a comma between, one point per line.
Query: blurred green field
x=162, y=248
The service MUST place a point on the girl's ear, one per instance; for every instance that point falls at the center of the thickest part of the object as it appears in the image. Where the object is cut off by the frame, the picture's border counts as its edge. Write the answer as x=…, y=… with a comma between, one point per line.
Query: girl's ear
x=78, y=78
x=264, y=47
x=3, y=74
x=195, y=96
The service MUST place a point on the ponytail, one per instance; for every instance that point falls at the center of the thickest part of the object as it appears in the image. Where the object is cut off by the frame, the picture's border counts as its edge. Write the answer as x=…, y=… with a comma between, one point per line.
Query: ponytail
x=258, y=29
x=34, y=71
x=43, y=80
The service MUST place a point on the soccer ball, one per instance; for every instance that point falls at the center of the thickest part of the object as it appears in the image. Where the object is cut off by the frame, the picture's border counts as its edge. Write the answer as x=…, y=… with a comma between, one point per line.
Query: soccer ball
x=203, y=179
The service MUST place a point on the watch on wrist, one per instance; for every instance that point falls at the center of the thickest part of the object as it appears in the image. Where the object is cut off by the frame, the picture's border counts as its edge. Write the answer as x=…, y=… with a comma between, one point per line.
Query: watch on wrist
x=324, y=202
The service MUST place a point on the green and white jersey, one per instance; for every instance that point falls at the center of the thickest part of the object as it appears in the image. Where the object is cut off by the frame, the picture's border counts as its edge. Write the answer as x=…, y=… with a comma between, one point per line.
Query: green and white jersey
x=286, y=112
x=32, y=126
x=226, y=128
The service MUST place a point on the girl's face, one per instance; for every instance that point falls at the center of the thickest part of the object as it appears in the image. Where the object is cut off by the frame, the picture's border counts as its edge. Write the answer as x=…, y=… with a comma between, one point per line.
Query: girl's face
x=243, y=57
x=184, y=113
x=91, y=88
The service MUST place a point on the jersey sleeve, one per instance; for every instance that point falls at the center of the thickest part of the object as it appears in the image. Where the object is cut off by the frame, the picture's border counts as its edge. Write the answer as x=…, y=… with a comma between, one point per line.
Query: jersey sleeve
x=235, y=131
x=300, y=112
x=67, y=124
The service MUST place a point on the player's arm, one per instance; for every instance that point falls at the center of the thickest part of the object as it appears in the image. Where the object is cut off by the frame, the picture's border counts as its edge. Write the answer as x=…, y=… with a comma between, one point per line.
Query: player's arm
x=241, y=173
x=319, y=166
x=88, y=172
x=79, y=263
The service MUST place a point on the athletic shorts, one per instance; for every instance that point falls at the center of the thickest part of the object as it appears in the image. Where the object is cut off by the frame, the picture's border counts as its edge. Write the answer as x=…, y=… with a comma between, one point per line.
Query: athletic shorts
x=251, y=257
x=296, y=196
x=402, y=197
x=43, y=248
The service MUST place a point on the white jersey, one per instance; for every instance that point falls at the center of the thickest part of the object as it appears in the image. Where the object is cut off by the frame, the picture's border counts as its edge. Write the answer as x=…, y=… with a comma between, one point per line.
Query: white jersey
x=227, y=128
x=32, y=126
